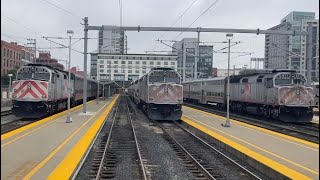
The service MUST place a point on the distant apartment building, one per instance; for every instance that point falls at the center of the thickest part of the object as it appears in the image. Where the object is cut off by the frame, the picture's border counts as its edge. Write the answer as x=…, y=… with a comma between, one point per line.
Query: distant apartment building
x=285, y=51
x=112, y=42
x=276, y=48
x=45, y=58
x=186, y=51
x=14, y=56
x=315, y=49
x=128, y=67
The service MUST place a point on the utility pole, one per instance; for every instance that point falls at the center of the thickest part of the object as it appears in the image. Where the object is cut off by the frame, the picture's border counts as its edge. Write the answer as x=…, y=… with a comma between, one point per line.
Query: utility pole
x=98, y=92
x=197, y=57
x=184, y=62
x=309, y=53
x=126, y=44
x=35, y=48
x=84, y=110
x=69, y=119
x=227, y=124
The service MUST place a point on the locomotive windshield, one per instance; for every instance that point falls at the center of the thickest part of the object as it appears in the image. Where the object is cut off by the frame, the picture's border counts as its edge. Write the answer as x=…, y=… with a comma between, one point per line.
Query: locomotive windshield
x=289, y=79
x=164, y=76
x=31, y=73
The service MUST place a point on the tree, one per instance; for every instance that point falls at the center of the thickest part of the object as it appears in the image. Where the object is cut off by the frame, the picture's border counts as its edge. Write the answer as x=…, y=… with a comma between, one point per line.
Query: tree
x=5, y=79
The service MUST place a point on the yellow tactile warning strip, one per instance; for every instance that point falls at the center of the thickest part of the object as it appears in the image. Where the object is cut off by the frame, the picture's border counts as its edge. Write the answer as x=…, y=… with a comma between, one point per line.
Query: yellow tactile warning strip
x=283, y=136
x=43, y=162
x=24, y=128
x=290, y=173
x=66, y=167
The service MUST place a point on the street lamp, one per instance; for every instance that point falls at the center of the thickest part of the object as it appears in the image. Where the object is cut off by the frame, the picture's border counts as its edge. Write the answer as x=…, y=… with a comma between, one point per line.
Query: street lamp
x=10, y=75
x=70, y=34
x=227, y=124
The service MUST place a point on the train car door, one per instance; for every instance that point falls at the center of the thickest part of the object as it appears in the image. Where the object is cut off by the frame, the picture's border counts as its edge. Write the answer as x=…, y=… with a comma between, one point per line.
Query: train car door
x=203, y=93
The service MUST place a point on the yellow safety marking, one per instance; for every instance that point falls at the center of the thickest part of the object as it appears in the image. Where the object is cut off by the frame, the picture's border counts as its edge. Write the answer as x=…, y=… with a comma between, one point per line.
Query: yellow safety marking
x=269, y=132
x=24, y=128
x=255, y=128
x=187, y=118
x=43, y=162
x=23, y=135
x=68, y=165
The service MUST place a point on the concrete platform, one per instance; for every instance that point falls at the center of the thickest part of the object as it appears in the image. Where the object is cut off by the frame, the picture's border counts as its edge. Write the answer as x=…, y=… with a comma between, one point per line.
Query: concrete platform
x=34, y=151
x=278, y=153
x=5, y=108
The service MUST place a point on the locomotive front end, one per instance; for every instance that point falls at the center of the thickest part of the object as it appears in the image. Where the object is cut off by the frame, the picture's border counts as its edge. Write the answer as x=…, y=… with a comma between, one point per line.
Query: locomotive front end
x=295, y=99
x=165, y=95
x=30, y=92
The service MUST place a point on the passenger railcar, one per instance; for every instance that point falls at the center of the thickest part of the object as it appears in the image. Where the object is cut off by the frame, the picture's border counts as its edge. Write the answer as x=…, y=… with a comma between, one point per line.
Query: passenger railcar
x=278, y=94
x=159, y=93
x=40, y=90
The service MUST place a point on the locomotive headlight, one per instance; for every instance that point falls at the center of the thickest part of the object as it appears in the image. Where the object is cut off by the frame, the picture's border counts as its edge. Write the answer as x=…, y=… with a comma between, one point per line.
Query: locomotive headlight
x=44, y=96
x=311, y=102
x=283, y=101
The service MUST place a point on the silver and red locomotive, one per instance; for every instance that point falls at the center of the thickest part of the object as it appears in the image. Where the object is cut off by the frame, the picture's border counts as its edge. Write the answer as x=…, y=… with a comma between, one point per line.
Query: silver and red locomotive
x=40, y=90
x=278, y=94
x=159, y=93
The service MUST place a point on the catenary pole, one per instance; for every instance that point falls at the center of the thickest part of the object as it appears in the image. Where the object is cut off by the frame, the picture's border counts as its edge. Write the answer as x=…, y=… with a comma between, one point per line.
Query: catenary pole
x=84, y=110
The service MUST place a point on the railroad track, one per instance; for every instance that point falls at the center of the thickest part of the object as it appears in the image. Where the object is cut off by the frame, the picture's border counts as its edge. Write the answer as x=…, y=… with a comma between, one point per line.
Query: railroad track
x=10, y=126
x=6, y=113
x=118, y=155
x=308, y=132
x=201, y=158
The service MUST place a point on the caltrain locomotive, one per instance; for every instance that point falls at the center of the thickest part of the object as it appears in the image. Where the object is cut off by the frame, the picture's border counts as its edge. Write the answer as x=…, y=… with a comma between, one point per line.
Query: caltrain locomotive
x=159, y=93
x=41, y=90
x=277, y=94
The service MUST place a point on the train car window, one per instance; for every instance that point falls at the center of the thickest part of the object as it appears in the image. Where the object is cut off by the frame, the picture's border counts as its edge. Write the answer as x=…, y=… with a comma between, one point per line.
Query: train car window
x=259, y=80
x=41, y=76
x=53, y=78
x=64, y=76
x=244, y=80
x=269, y=83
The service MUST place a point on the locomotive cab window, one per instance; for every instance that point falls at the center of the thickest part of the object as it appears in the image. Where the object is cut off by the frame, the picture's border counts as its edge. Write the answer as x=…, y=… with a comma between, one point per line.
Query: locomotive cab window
x=269, y=83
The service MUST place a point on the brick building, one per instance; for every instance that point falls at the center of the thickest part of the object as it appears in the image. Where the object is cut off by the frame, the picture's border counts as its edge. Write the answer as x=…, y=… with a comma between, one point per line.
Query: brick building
x=45, y=58
x=77, y=71
x=14, y=56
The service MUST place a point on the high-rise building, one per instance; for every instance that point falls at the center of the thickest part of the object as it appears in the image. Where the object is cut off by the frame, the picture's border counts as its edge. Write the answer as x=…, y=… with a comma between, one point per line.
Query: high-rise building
x=187, y=49
x=285, y=51
x=315, y=49
x=276, y=48
x=112, y=42
x=295, y=18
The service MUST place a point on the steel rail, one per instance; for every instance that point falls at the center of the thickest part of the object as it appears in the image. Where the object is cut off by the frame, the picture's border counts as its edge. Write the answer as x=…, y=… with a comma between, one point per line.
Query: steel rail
x=219, y=152
x=199, y=166
x=137, y=145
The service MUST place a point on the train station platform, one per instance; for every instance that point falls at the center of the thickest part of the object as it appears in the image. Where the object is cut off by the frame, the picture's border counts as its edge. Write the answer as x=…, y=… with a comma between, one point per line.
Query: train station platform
x=35, y=150
x=276, y=154
x=5, y=108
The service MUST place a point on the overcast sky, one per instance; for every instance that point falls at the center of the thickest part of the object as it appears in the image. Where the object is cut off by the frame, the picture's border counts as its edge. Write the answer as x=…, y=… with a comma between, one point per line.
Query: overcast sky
x=22, y=19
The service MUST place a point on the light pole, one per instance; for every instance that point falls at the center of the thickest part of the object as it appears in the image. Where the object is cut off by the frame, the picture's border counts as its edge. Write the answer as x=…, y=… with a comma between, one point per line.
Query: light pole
x=227, y=124
x=70, y=34
x=98, y=91
x=10, y=75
